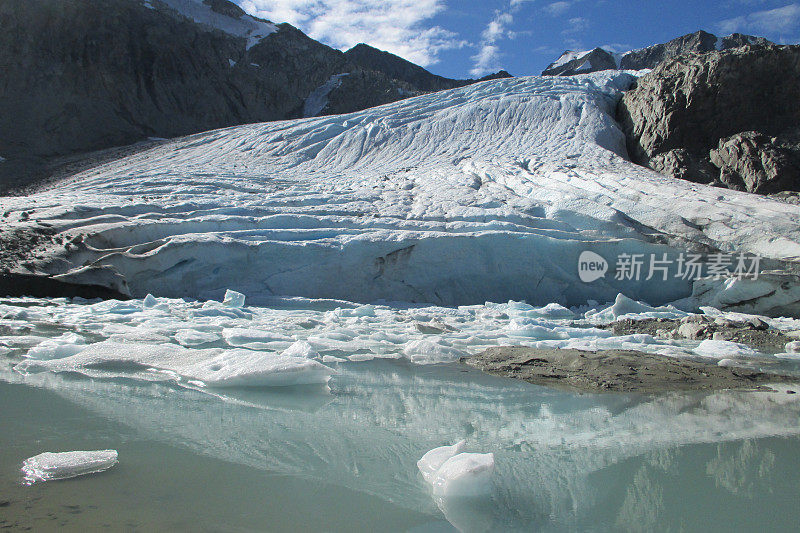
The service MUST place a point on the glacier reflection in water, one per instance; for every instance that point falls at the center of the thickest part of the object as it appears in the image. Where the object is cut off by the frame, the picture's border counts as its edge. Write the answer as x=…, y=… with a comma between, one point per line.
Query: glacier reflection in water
x=563, y=460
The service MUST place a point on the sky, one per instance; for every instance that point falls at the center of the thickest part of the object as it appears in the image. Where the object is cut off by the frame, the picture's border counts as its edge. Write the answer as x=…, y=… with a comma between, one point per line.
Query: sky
x=471, y=38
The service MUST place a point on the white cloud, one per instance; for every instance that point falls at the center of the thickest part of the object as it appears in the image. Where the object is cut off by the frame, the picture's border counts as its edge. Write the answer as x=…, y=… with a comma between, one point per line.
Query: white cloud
x=557, y=8
x=576, y=25
x=770, y=22
x=488, y=57
x=399, y=26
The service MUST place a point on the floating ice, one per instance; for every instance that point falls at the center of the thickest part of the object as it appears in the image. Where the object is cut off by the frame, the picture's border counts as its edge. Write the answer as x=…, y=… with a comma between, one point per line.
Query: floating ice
x=253, y=338
x=233, y=299
x=149, y=301
x=301, y=349
x=428, y=352
x=464, y=474
x=793, y=347
x=432, y=461
x=63, y=465
x=66, y=345
x=627, y=308
x=719, y=349
x=214, y=367
x=191, y=337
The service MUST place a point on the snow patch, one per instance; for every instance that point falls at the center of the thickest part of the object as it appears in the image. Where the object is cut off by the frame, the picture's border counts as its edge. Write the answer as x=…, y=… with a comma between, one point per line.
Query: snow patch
x=246, y=26
x=318, y=99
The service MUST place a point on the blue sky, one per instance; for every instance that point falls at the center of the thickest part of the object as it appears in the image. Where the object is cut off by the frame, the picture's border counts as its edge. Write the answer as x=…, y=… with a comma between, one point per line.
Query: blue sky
x=463, y=38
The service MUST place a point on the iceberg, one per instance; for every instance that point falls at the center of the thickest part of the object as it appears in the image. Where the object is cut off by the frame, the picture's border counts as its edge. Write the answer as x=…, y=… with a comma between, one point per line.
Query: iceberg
x=464, y=475
x=432, y=461
x=233, y=299
x=63, y=465
x=719, y=349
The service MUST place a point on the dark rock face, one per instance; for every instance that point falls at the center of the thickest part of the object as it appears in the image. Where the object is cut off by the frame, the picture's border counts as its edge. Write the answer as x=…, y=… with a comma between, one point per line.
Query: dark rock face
x=753, y=162
x=594, y=61
x=652, y=56
x=392, y=66
x=79, y=76
x=692, y=105
x=700, y=41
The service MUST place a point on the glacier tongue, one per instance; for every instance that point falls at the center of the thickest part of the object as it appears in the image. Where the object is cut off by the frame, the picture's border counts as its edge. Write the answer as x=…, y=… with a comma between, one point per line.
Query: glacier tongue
x=484, y=193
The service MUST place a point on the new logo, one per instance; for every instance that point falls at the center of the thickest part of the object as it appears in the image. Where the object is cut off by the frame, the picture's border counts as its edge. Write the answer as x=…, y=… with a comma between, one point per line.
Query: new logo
x=591, y=266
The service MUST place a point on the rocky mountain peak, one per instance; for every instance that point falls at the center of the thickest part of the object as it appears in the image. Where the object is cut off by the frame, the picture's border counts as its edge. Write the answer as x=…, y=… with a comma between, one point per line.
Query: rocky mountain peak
x=572, y=62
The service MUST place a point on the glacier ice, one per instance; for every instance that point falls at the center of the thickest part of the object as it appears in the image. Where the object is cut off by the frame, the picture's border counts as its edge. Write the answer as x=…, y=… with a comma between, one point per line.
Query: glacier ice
x=464, y=474
x=301, y=349
x=484, y=193
x=63, y=465
x=215, y=367
x=233, y=299
x=432, y=461
x=724, y=349
x=64, y=346
x=191, y=337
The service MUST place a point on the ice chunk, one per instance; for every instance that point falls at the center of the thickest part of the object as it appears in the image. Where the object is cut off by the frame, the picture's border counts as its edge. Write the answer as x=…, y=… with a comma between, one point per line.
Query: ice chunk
x=246, y=368
x=63, y=465
x=66, y=345
x=465, y=474
x=792, y=347
x=428, y=352
x=191, y=337
x=553, y=310
x=363, y=310
x=626, y=308
x=431, y=462
x=252, y=338
x=724, y=349
x=149, y=301
x=233, y=299
x=727, y=362
x=332, y=359
x=214, y=367
x=301, y=349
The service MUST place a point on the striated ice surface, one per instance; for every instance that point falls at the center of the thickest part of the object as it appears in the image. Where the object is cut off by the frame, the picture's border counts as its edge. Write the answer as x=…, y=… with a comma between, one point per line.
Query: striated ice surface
x=489, y=192
x=63, y=465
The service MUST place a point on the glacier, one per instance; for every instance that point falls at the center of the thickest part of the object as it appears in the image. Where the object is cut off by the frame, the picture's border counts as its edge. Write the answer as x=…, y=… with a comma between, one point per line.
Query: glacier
x=488, y=192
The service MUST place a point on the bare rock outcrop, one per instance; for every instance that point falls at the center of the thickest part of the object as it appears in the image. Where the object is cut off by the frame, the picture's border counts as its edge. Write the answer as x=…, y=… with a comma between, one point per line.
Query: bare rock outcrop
x=727, y=118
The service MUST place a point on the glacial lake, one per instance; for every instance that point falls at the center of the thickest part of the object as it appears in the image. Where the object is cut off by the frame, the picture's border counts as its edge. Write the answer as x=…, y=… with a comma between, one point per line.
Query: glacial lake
x=344, y=459
x=341, y=455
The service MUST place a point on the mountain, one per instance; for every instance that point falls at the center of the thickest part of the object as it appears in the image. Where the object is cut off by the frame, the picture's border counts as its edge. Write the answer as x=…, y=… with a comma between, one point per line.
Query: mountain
x=487, y=192
x=728, y=118
x=85, y=75
x=572, y=62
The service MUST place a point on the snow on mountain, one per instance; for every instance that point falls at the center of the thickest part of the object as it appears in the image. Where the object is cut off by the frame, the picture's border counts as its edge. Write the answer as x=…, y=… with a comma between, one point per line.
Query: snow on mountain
x=231, y=20
x=318, y=99
x=488, y=192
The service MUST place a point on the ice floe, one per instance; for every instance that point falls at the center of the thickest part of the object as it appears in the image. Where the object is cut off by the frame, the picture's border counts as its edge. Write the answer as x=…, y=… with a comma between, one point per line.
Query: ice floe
x=49, y=466
x=234, y=367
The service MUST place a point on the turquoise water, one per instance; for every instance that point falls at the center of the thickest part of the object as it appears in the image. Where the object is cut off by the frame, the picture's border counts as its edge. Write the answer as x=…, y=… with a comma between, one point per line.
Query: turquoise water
x=343, y=458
